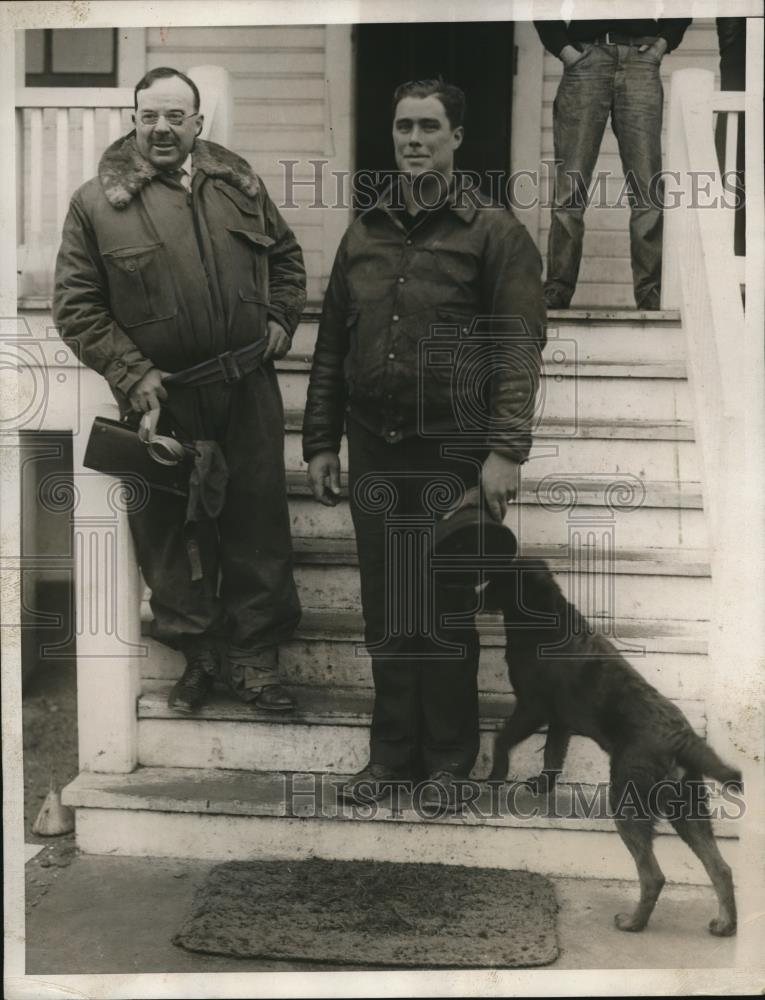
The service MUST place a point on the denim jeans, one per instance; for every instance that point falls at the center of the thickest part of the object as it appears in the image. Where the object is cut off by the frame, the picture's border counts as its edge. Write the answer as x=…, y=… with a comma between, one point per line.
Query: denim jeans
x=619, y=81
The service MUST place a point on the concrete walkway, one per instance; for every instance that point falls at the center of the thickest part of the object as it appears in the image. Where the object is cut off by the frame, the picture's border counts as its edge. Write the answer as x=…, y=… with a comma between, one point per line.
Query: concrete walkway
x=118, y=915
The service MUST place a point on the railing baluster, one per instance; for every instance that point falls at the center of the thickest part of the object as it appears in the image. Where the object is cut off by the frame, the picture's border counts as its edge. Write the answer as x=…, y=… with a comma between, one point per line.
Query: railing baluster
x=115, y=124
x=731, y=141
x=62, y=165
x=35, y=171
x=88, y=143
x=20, y=178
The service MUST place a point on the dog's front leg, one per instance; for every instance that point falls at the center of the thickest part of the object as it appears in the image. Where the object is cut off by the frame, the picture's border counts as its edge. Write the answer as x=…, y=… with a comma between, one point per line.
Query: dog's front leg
x=556, y=748
x=518, y=727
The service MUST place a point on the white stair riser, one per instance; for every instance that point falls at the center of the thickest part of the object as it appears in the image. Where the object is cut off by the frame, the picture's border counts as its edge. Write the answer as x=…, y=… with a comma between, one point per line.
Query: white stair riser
x=328, y=663
x=340, y=749
x=604, y=397
x=646, y=527
x=584, y=854
x=597, y=343
x=648, y=460
x=633, y=596
x=337, y=748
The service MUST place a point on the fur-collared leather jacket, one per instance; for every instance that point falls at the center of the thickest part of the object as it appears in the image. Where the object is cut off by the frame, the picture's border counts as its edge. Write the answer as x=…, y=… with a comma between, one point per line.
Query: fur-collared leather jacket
x=138, y=286
x=436, y=329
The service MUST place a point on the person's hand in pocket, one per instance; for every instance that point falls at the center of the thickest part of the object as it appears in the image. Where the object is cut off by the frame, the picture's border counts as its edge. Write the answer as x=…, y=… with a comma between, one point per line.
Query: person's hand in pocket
x=570, y=56
x=658, y=48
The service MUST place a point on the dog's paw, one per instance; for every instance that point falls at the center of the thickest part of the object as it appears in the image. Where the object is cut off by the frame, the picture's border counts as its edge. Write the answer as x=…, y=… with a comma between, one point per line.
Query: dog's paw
x=627, y=922
x=722, y=927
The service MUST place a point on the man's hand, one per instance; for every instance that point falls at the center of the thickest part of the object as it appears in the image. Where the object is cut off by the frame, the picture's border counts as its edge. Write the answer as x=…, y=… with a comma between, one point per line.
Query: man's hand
x=569, y=55
x=278, y=341
x=148, y=392
x=500, y=477
x=324, y=477
x=660, y=47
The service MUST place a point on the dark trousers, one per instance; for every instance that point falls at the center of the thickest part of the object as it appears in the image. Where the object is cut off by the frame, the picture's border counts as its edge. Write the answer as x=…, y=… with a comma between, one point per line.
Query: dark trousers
x=623, y=83
x=425, y=669
x=246, y=600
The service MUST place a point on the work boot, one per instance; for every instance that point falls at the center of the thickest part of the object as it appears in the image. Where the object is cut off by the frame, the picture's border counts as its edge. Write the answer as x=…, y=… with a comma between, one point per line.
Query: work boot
x=369, y=785
x=274, y=698
x=442, y=791
x=190, y=692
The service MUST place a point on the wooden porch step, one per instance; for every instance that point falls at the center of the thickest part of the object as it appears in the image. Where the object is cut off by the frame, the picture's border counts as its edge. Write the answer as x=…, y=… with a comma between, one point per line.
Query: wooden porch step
x=641, y=562
x=328, y=650
x=567, y=367
x=328, y=732
x=596, y=491
x=587, y=429
x=228, y=814
x=320, y=706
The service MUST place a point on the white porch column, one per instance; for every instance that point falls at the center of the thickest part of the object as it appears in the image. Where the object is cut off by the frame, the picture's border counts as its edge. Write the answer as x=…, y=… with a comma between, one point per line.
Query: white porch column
x=107, y=588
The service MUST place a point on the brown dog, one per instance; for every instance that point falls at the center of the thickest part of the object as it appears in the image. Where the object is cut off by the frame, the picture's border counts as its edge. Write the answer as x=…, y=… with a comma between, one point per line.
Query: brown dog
x=576, y=682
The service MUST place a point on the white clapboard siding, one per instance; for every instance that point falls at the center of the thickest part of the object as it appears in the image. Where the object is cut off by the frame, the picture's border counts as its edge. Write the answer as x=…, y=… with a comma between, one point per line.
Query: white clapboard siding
x=60, y=161
x=606, y=277
x=280, y=112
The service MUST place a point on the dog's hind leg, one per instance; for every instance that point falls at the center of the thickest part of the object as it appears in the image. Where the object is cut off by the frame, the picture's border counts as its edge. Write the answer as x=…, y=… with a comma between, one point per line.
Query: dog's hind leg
x=697, y=833
x=627, y=797
x=637, y=835
x=517, y=727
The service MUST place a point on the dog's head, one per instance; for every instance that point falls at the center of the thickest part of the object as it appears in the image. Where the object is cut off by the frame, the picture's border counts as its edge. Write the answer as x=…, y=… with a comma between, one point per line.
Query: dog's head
x=524, y=585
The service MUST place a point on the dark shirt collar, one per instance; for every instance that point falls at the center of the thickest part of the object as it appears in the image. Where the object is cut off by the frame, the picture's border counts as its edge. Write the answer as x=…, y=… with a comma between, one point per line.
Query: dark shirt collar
x=456, y=201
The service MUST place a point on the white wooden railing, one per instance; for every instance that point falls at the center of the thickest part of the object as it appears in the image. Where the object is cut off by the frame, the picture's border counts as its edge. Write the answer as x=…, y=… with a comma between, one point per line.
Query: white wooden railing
x=703, y=278
x=60, y=135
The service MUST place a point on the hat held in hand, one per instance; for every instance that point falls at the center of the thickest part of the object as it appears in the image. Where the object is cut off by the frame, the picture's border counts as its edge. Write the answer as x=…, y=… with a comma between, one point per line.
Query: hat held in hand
x=470, y=530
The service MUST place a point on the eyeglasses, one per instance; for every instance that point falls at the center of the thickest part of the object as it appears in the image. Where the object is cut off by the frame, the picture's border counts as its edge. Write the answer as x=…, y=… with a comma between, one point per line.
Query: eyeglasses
x=171, y=117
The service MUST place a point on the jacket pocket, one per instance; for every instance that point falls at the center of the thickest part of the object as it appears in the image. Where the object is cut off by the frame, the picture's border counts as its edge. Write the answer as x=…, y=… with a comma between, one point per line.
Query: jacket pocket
x=249, y=256
x=140, y=287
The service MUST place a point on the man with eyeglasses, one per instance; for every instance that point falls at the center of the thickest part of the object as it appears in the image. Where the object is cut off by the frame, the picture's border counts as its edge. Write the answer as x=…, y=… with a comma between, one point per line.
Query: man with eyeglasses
x=179, y=282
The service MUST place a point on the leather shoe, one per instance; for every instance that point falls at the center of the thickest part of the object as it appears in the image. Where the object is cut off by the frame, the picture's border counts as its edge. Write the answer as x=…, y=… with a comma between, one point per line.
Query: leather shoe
x=274, y=698
x=190, y=692
x=369, y=785
x=442, y=791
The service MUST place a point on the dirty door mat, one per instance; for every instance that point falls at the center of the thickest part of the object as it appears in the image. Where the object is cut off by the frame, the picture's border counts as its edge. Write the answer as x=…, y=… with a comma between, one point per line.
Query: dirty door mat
x=374, y=913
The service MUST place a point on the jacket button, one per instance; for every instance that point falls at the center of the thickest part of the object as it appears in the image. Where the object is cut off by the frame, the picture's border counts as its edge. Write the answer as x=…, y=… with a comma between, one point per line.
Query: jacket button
x=401, y=280
x=131, y=267
x=392, y=434
x=395, y=317
x=408, y=243
x=391, y=356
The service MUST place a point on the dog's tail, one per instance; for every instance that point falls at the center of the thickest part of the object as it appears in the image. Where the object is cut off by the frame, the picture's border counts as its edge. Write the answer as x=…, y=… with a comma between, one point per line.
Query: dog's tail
x=699, y=757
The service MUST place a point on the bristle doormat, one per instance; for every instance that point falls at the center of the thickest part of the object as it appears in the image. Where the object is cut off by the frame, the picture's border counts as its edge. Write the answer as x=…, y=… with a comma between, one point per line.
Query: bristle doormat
x=374, y=913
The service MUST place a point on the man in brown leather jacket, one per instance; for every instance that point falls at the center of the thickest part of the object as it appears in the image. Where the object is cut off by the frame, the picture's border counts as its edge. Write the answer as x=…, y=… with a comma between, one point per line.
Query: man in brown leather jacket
x=172, y=257
x=434, y=316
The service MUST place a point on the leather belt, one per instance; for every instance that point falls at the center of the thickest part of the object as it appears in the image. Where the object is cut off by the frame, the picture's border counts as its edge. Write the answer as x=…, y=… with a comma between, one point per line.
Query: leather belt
x=229, y=367
x=614, y=38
